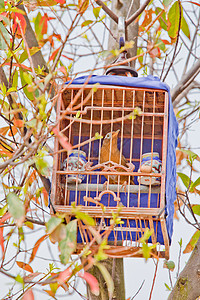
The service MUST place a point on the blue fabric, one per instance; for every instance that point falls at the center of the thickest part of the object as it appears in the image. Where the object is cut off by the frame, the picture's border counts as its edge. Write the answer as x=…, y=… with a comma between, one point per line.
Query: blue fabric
x=153, y=83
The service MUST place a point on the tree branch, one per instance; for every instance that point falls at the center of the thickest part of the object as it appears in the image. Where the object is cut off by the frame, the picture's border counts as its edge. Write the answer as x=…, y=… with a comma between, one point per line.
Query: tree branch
x=107, y=10
x=186, y=80
x=188, y=283
x=137, y=13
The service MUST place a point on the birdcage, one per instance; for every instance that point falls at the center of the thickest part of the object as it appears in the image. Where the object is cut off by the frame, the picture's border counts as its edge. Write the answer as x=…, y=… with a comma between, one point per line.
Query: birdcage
x=132, y=119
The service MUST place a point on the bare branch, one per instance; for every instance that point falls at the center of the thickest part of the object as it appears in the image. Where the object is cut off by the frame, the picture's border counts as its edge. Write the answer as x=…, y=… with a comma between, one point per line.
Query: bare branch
x=108, y=11
x=137, y=13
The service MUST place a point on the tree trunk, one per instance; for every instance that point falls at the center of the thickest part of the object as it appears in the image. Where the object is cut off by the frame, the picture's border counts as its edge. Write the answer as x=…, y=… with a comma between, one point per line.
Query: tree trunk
x=188, y=284
x=115, y=268
x=122, y=9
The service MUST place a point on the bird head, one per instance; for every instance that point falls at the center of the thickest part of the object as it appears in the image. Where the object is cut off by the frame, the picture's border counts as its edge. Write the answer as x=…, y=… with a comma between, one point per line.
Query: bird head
x=111, y=136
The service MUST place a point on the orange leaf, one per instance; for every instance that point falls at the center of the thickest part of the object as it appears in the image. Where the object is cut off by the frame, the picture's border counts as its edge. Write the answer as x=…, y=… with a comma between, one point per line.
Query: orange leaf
x=92, y=281
x=46, y=196
x=28, y=295
x=4, y=130
x=63, y=140
x=18, y=123
x=35, y=248
x=24, y=266
x=43, y=23
x=64, y=276
x=50, y=293
x=13, y=132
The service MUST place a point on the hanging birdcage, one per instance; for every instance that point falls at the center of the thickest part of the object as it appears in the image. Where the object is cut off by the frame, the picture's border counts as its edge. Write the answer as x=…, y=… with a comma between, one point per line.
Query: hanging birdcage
x=123, y=135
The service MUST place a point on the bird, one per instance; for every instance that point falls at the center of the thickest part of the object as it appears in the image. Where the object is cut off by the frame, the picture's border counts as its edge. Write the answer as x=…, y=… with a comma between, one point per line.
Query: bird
x=114, y=156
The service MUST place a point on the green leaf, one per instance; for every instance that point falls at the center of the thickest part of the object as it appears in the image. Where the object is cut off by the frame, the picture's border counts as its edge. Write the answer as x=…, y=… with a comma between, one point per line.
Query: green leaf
x=194, y=239
x=196, y=209
x=52, y=224
x=16, y=208
x=15, y=79
x=68, y=245
x=96, y=11
x=107, y=277
x=168, y=288
x=194, y=184
x=169, y=264
x=2, y=4
x=86, y=23
x=24, y=55
x=4, y=37
x=3, y=210
x=28, y=94
x=166, y=3
x=185, y=179
x=185, y=27
x=85, y=218
x=173, y=18
x=162, y=20
x=98, y=136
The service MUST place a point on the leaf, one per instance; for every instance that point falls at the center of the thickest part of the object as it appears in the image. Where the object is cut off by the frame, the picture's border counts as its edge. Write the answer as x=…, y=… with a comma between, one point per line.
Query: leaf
x=35, y=248
x=63, y=140
x=24, y=55
x=2, y=4
x=28, y=94
x=53, y=55
x=24, y=266
x=16, y=208
x=173, y=18
x=18, y=123
x=169, y=264
x=18, y=18
x=91, y=281
x=2, y=239
x=64, y=275
x=68, y=245
x=86, y=23
x=28, y=295
x=194, y=239
x=60, y=1
x=195, y=184
x=108, y=279
x=195, y=3
x=4, y=37
x=185, y=179
x=52, y=224
x=167, y=287
x=83, y=6
x=85, y=218
x=185, y=27
x=166, y=3
x=196, y=209
x=96, y=11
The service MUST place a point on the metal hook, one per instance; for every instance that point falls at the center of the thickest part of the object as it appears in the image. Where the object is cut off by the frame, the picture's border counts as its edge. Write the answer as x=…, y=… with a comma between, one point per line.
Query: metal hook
x=121, y=31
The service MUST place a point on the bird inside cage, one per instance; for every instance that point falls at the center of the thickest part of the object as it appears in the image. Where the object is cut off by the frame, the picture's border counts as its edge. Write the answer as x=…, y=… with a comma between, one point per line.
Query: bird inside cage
x=110, y=152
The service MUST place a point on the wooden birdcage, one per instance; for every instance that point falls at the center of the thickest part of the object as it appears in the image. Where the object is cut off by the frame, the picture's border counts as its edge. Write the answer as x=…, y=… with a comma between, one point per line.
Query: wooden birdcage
x=85, y=113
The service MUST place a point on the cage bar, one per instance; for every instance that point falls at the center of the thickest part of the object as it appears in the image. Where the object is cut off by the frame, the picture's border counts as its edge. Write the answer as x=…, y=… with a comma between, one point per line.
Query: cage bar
x=84, y=115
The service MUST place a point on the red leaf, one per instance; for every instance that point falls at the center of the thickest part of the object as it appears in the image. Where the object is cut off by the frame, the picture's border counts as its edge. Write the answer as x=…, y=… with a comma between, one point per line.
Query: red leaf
x=43, y=23
x=24, y=266
x=63, y=140
x=53, y=55
x=28, y=295
x=35, y=248
x=1, y=239
x=64, y=276
x=46, y=196
x=18, y=18
x=60, y=1
x=18, y=123
x=92, y=281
